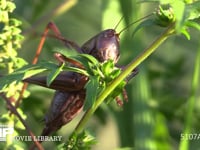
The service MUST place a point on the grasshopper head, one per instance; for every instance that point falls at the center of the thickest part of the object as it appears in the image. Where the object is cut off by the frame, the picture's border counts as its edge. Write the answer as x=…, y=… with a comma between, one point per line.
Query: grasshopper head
x=103, y=46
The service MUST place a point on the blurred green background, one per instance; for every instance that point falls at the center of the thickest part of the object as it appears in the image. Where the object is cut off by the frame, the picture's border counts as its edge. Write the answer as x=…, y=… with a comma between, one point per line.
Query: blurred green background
x=154, y=117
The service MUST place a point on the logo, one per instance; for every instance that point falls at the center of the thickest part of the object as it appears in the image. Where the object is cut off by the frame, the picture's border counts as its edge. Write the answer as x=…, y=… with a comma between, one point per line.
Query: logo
x=8, y=130
x=4, y=131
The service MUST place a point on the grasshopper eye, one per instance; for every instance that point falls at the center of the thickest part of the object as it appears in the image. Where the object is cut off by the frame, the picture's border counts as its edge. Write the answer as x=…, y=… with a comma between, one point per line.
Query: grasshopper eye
x=109, y=33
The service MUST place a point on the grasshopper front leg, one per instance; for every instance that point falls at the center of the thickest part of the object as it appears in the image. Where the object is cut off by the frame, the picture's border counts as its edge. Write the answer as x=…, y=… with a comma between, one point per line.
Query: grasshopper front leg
x=124, y=92
x=57, y=34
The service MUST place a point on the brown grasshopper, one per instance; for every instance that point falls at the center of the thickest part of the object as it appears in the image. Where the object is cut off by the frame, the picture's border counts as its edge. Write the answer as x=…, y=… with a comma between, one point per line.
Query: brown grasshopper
x=70, y=93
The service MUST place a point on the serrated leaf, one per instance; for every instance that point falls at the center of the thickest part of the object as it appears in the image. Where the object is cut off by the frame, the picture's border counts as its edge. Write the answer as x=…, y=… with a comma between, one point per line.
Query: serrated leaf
x=115, y=73
x=78, y=57
x=107, y=67
x=88, y=139
x=25, y=69
x=89, y=62
x=83, y=141
x=91, y=91
x=25, y=72
x=91, y=58
x=74, y=69
x=18, y=76
x=53, y=74
x=33, y=72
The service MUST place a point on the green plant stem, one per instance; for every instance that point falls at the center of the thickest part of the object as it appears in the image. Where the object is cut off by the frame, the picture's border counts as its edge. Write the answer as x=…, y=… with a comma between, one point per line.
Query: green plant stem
x=148, y=51
x=184, y=143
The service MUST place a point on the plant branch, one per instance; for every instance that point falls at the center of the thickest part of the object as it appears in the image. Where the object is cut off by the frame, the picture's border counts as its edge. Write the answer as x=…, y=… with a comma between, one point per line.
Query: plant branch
x=138, y=60
x=13, y=110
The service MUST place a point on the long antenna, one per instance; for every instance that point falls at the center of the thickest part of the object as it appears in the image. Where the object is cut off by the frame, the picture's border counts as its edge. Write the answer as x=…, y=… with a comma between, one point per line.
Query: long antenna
x=134, y=23
x=118, y=23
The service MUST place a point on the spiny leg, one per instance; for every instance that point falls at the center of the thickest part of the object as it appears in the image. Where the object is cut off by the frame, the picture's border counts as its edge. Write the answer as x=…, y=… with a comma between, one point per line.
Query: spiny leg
x=62, y=59
x=125, y=98
x=132, y=74
x=124, y=92
x=50, y=26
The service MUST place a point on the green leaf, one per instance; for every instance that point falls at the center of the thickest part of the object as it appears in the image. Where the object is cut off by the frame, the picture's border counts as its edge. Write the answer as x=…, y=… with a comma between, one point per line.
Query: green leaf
x=19, y=75
x=47, y=65
x=57, y=69
x=10, y=6
x=91, y=58
x=185, y=32
x=193, y=24
x=53, y=74
x=15, y=22
x=164, y=16
x=78, y=57
x=92, y=88
x=33, y=72
x=193, y=10
x=25, y=72
x=83, y=141
x=74, y=69
x=115, y=73
x=107, y=67
x=88, y=61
